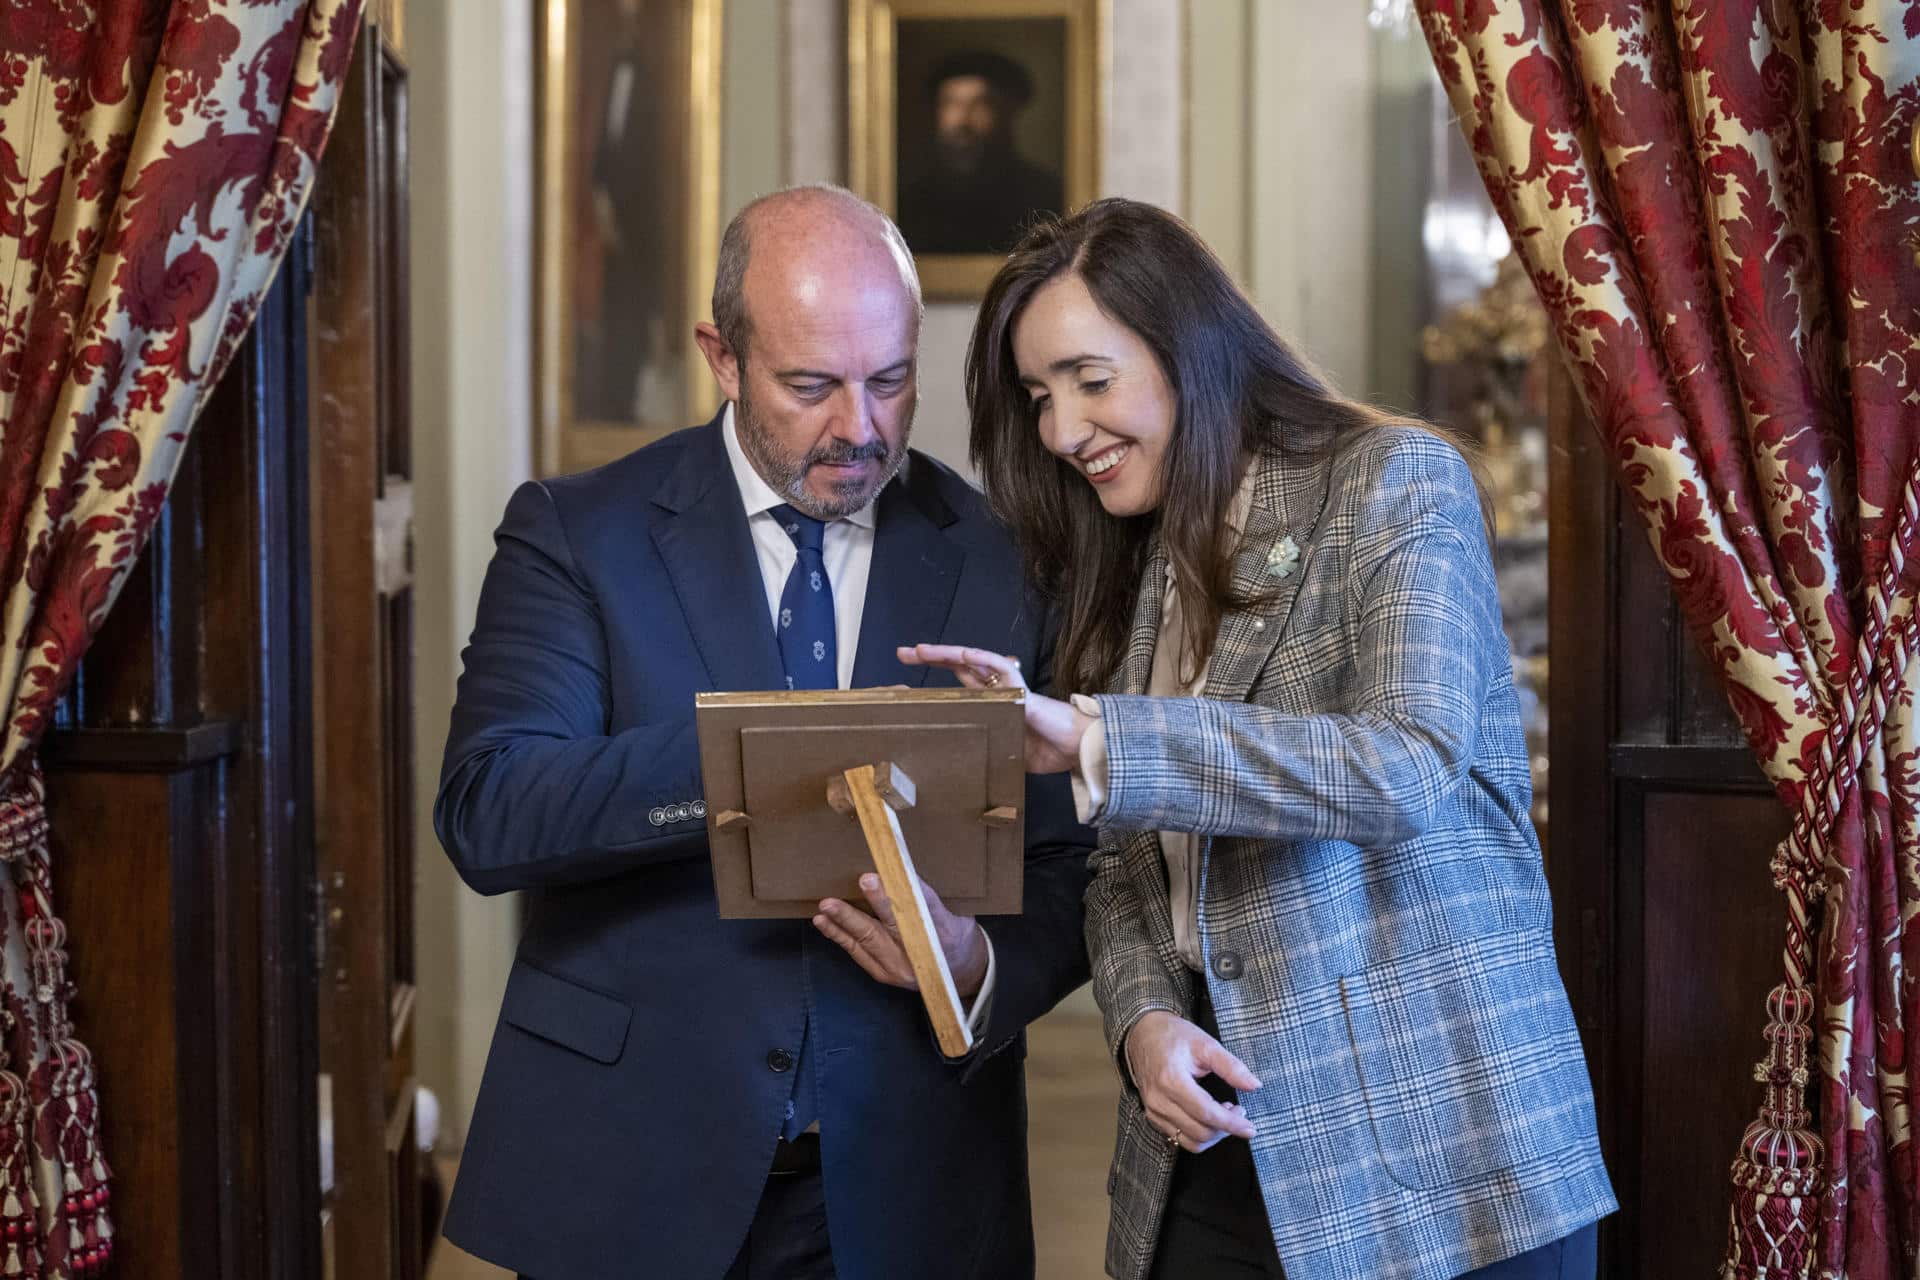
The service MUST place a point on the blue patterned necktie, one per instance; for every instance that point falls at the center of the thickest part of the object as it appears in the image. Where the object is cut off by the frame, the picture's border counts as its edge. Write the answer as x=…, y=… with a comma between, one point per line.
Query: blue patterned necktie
x=805, y=629
x=805, y=625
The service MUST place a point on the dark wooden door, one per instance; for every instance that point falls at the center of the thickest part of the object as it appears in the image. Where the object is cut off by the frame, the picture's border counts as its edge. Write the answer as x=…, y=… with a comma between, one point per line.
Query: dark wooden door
x=361, y=529
x=1668, y=926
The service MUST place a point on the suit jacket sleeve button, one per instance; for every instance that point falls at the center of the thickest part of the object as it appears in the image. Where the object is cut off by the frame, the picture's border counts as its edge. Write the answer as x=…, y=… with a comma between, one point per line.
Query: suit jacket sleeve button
x=658, y=817
x=1227, y=965
x=779, y=1060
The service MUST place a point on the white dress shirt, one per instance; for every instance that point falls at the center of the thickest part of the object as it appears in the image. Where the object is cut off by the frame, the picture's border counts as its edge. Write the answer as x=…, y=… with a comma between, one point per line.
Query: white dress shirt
x=848, y=551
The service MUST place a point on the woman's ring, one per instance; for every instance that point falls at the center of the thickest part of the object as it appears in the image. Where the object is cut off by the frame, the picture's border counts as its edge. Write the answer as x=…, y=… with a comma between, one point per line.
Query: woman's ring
x=993, y=679
x=1173, y=1139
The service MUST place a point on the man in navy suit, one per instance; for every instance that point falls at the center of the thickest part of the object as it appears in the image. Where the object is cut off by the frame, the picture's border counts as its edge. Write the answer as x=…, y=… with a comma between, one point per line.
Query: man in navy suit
x=671, y=1094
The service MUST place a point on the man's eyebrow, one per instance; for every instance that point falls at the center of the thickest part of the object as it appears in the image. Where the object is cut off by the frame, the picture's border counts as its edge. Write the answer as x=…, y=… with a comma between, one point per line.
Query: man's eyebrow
x=901, y=365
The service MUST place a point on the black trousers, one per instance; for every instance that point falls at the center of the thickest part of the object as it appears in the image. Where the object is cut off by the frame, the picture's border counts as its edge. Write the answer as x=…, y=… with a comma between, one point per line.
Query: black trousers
x=788, y=1237
x=1215, y=1224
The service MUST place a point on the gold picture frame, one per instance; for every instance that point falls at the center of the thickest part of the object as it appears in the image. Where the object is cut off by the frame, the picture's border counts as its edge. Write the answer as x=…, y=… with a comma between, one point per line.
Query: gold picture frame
x=1056, y=48
x=626, y=223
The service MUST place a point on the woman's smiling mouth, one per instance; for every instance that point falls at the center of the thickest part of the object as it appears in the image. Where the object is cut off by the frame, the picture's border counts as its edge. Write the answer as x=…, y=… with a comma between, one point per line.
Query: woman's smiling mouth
x=1102, y=465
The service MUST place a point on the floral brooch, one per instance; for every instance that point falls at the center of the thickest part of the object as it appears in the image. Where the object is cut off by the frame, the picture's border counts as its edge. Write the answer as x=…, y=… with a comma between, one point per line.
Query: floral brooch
x=1284, y=558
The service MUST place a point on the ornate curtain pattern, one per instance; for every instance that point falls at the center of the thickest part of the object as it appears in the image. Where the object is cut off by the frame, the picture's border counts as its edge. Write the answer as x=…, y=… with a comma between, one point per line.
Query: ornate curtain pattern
x=1715, y=200
x=155, y=156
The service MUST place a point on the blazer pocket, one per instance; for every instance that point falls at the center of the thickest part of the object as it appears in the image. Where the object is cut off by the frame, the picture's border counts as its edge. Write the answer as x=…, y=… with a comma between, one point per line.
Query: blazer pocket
x=574, y=1017
x=1468, y=1060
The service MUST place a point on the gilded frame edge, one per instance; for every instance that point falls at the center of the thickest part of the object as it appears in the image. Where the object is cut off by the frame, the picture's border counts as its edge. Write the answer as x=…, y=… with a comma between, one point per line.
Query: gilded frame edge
x=871, y=26
x=561, y=444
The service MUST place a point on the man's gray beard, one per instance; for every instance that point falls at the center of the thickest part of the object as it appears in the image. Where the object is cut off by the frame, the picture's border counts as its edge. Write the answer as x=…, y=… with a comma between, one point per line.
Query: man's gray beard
x=788, y=477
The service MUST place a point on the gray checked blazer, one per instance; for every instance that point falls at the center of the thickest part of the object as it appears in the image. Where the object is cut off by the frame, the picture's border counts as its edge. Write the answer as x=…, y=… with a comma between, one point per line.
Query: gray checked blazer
x=1374, y=916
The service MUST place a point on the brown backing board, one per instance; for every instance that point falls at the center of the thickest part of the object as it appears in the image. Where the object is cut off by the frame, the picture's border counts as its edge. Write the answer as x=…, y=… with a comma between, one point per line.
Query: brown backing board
x=771, y=756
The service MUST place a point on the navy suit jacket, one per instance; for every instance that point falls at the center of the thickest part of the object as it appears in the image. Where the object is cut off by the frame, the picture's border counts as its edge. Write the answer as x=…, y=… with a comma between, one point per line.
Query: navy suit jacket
x=632, y=1096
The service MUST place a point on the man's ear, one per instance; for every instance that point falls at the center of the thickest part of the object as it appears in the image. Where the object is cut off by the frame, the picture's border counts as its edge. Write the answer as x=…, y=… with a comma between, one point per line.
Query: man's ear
x=720, y=358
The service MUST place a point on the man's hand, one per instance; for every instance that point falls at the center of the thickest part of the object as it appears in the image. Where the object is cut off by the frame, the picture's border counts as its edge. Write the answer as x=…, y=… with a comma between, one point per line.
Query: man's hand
x=1165, y=1056
x=874, y=940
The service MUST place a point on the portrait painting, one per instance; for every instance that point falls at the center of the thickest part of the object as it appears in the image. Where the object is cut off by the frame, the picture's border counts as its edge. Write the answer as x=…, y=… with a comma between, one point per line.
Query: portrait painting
x=626, y=222
x=970, y=120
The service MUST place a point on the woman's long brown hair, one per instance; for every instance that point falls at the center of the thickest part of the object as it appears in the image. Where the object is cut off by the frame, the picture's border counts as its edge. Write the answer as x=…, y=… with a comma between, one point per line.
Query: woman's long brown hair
x=1239, y=391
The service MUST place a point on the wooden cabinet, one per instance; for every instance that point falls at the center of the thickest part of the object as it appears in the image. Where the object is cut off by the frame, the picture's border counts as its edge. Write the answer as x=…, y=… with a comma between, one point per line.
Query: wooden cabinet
x=361, y=522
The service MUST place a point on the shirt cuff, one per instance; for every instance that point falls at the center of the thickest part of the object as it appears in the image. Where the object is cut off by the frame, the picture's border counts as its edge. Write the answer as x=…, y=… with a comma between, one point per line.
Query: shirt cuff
x=983, y=998
x=1090, y=774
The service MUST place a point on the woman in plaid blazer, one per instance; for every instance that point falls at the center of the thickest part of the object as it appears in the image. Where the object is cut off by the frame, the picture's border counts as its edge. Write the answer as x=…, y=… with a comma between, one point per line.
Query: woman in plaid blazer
x=1318, y=923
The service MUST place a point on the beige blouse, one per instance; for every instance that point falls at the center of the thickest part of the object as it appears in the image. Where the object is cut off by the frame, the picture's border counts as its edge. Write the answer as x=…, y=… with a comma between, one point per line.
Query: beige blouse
x=1179, y=849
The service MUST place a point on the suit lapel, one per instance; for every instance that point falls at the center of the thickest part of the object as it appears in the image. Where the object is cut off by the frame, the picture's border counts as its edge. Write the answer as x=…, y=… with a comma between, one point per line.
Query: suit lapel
x=911, y=584
x=1269, y=567
x=1136, y=669
x=704, y=543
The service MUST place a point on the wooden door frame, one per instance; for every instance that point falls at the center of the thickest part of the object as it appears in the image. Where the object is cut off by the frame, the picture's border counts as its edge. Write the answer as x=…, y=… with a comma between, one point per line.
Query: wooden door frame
x=361, y=521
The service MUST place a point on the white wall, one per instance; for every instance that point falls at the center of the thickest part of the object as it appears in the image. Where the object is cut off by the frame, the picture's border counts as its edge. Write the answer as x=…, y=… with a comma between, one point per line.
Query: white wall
x=1142, y=102
x=1218, y=129
x=815, y=89
x=471, y=99
x=1280, y=166
x=753, y=80
x=1310, y=166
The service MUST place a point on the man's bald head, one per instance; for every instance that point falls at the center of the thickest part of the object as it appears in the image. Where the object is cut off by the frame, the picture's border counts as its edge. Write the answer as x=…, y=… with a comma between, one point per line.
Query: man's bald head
x=819, y=284
x=800, y=235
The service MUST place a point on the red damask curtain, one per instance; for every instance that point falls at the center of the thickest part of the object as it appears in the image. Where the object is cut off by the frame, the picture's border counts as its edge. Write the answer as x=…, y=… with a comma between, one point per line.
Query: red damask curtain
x=1716, y=201
x=154, y=158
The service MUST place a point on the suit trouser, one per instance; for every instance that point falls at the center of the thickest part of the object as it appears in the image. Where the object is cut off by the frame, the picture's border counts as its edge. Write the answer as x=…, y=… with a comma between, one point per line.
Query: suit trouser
x=1215, y=1222
x=787, y=1239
